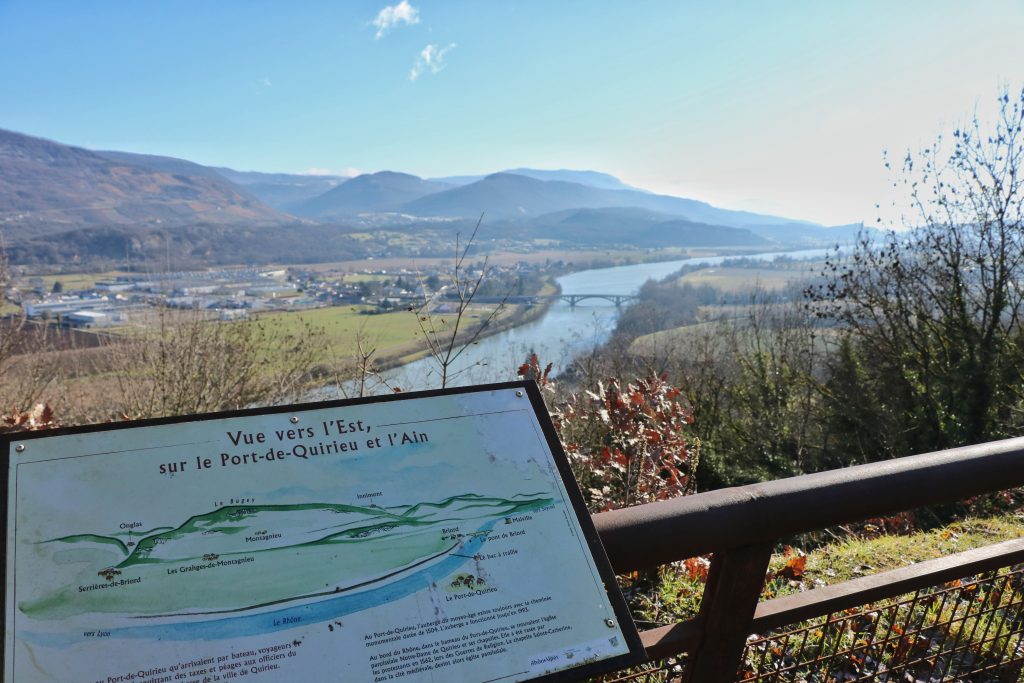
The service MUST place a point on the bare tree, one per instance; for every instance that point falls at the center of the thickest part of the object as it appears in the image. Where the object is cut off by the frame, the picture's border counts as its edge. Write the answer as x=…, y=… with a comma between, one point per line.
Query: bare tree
x=933, y=313
x=446, y=341
x=367, y=377
x=188, y=364
x=30, y=356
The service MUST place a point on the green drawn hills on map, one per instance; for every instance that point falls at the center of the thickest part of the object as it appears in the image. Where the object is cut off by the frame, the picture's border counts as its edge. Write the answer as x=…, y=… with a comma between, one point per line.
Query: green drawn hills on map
x=301, y=550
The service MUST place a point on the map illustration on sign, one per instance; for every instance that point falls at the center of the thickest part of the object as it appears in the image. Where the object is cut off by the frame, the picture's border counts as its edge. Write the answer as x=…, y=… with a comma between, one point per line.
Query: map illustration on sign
x=375, y=541
x=379, y=544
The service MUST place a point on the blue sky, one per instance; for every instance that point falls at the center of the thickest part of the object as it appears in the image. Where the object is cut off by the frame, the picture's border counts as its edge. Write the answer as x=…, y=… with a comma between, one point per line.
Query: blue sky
x=782, y=107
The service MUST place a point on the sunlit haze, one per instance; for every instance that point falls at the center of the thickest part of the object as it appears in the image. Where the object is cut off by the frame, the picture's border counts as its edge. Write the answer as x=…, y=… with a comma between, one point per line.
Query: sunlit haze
x=784, y=109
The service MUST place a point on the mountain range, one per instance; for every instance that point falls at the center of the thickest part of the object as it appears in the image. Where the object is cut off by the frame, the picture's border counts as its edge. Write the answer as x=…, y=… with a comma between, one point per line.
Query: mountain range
x=47, y=188
x=386, y=191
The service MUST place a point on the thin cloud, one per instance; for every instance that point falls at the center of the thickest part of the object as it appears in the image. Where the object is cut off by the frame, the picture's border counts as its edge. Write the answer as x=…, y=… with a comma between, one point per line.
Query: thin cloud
x=393, y=15
x=347, y=172
x=432, y=59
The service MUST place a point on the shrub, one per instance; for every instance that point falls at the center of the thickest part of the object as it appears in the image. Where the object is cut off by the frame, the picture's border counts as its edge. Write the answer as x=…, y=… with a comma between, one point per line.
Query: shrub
x=627, y=443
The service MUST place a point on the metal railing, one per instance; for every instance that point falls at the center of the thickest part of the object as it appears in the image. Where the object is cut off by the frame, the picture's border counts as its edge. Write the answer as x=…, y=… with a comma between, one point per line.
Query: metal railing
x=939, y=614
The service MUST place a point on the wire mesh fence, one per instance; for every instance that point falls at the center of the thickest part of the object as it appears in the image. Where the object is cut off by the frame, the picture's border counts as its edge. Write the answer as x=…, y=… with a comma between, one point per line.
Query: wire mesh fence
x=969, y=629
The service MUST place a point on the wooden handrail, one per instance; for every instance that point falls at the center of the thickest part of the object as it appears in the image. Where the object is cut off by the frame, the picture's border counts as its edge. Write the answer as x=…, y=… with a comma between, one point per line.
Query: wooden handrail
x=649, y=535
x=739, y=526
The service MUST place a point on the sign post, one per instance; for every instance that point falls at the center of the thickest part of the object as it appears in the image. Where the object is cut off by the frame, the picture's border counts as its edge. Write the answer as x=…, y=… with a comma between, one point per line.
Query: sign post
x=418, y=537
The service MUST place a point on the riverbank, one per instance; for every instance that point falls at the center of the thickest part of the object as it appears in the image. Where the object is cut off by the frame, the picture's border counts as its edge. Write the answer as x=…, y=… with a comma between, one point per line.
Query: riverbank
x=572, y=260
x=585, y=261
x=518, y=314
x=563, y=332
x=590, y=262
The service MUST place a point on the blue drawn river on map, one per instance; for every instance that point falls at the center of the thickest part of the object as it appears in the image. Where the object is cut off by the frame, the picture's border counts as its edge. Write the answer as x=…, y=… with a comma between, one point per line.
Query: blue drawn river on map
x=311, y=613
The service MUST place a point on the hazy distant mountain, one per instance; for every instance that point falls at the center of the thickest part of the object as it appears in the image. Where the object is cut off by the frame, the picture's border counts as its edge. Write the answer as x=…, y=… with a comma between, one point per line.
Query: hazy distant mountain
x=47, y=186
x=647, y=228
x=639, y=227
x=188, y=246
x=60, y=203
x=503, y=195
x=506, y=195
x=282, y=190
x=596, y=179
x=458, y=180
x=803, y=234
x=278, y=190
x=612, y=216
x=163, y=164
x=684, y=233
x=369, y=193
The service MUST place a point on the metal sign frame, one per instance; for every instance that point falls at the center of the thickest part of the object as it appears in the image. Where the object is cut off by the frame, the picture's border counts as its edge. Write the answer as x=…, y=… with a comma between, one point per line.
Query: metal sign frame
x=11, y=444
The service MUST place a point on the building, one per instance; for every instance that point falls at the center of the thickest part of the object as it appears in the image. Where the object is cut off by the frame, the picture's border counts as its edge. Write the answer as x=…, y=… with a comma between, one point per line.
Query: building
x=89, y=319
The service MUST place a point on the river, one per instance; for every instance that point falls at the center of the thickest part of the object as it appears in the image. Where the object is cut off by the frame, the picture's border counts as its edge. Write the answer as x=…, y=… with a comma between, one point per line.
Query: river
x=562, y=333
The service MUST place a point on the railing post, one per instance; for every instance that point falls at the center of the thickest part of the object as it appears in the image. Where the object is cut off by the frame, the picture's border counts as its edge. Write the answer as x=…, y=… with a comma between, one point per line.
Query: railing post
x=735, y=582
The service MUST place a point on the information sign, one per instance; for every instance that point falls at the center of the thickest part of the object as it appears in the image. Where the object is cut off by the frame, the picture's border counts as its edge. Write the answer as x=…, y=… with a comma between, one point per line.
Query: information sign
x=436, y=536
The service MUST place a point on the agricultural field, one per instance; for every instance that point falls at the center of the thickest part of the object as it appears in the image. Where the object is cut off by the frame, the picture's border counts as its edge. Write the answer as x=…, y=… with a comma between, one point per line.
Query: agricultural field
x=736, y=286
x=708, y=333
x=656, y=343
x=397, y=333
x=74, y=281
x=731, y=280
x=580, y=257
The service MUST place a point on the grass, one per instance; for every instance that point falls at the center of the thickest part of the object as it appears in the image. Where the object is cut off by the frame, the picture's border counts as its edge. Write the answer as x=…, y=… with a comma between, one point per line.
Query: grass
x=853, y=557
x=672, y=340
x=74, y=281
x=341, y=325
x=657, y=342
x=847, y=641
x=395, y=334
x=938, y=632
x=85, y=393
x=949, y=635
x=89, y=386
x=681, y=585
x=737, y=280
